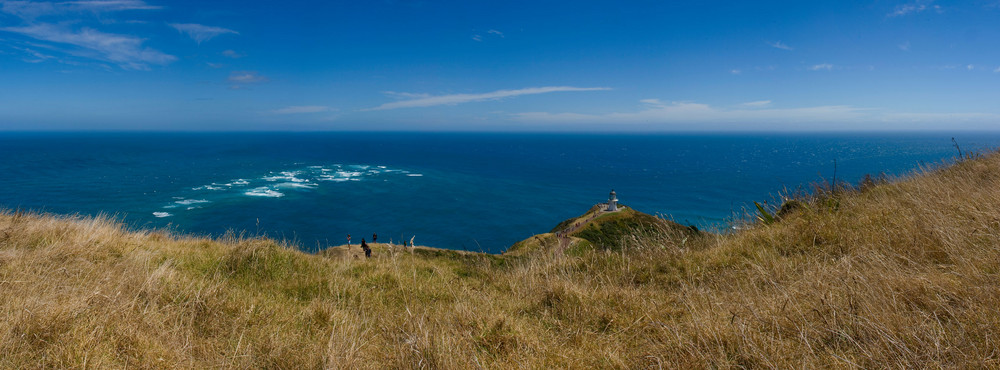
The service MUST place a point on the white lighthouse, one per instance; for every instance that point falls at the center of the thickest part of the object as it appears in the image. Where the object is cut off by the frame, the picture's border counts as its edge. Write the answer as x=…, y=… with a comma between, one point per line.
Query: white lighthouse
x=612, y=201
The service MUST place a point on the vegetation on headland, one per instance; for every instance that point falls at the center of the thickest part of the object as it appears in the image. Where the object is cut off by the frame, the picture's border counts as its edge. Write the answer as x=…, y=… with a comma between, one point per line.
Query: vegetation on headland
x=896, y=274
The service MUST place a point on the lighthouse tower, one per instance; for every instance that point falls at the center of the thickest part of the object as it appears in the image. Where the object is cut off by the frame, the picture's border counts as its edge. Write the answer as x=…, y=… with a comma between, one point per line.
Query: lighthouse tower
x=612, y=201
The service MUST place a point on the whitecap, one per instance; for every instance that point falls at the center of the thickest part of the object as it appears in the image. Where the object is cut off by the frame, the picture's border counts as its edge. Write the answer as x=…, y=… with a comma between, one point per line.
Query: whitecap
x=348, y=173
x=241, y=182
x=296, y=185
x=332, y=178
x=285, y=176
x=264, y=192
x=414, y=175
x=210, y=187
x=188, y=202
x=162, y=214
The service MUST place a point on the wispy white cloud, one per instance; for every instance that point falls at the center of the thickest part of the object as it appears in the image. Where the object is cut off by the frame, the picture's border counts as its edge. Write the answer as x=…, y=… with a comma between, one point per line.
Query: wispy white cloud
x=904, y=46
x=30, y=10
x=913, y=8
x=780, y=45
x=233, y=54
x=200, y=32
x=938, y=118
x=970, y=67
x=239, y=79
x=110, y=5
x=735, y=71
x=429, y=101
x=36, y=56
x=821, y=67
x=756, y=104
x=480, y=37
x=657, y=112
x=758, y=115
x=406, y=95
x=246, y=77
x=996, y=70
x=126, y=51
x=302, y=109
x=64, y=33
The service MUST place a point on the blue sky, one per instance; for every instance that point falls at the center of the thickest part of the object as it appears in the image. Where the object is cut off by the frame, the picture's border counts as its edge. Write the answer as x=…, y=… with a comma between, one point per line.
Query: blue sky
x=500, y=65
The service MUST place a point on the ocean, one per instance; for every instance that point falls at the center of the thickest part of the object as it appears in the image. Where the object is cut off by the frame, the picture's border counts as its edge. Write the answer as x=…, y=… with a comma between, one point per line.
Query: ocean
x=467, y=191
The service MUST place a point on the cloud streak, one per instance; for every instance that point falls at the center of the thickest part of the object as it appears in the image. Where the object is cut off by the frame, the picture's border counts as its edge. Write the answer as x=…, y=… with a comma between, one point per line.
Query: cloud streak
x=780, y=45
x=756, y=104
x=126, y=51
x=822, y=67
x=657, y=112
x=239, y=79
x=758, y=115
x=302, y=109
x=200, y=32
x=30, y=10
x=453, y=99
x=913, y=8
x=65, y=34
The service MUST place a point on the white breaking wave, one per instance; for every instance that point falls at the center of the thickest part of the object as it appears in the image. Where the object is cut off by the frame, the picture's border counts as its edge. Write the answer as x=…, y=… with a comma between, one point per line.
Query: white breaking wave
x=286, y=176
x=264, y=192
x=162, y=214
x=210, y=187
x=297, y=185
x=348, y=174
x=188, y=202
x=276, y=182
x=333, y=178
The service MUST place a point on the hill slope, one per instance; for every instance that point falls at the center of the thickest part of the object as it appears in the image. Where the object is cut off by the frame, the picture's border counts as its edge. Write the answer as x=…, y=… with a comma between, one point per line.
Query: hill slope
x=905, y=274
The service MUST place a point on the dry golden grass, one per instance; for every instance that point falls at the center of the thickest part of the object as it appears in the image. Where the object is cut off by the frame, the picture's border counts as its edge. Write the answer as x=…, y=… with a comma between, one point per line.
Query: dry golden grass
x=905, y=274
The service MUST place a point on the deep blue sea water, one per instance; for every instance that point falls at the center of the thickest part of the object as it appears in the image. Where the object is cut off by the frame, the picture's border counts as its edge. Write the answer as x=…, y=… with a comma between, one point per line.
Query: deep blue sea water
x=459, y=191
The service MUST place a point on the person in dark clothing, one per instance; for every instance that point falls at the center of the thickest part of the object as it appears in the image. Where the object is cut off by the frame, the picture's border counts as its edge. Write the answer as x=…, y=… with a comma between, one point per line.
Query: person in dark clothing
x=368, y=251
x=374, y=237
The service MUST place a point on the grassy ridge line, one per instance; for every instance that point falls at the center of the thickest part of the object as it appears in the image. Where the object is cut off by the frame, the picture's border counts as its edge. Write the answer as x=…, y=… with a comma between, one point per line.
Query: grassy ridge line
x=905, y=274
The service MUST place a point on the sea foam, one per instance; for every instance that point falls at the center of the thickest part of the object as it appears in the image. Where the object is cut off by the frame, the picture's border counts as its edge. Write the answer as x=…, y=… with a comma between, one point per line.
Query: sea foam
x=264, y=192
x=188, y=202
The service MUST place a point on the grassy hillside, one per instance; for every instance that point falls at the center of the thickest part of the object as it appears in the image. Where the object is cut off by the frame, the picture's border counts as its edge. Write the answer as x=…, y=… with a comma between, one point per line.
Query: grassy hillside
x=904, y=274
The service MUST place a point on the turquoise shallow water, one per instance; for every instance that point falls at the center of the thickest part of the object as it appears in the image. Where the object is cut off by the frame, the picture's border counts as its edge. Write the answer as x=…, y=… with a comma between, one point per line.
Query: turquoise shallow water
x=459, y=191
